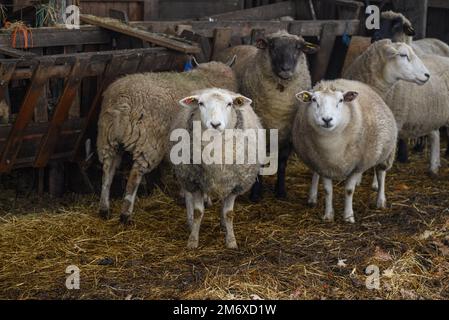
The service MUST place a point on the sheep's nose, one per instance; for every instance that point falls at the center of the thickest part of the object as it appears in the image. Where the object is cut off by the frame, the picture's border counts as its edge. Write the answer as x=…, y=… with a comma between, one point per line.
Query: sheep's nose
x=327, y=121
x=215, y=125
x=427, y=75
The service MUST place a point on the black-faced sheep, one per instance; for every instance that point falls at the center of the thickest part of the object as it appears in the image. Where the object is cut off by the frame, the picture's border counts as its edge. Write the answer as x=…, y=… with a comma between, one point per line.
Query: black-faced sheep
x=270, y=74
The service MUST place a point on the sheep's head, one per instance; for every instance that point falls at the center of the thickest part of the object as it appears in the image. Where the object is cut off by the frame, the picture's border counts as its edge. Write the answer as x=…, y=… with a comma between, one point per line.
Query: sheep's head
x=393, y=26
x=216, y=106
x=401, y=63
x=284, y=51
x=327, y=109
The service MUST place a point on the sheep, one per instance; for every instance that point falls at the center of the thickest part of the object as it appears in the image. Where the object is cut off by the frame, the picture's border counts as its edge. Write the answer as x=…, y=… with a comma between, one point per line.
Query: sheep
x=270, y=73
x=136, y=115
x=344, y=129
x=398, y=28
x=215, y=111
x=382, y=67
x=419, y=110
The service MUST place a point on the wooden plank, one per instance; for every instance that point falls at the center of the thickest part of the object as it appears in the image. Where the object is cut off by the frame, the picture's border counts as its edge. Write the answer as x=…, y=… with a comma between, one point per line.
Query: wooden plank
x=61, y=112
x=327, y=40
x=161, y=40
x=7, y=68
x=12, y=146
x=266, y=12
x=193, y=9
x=50, y=36
x=306, y=28
x=440, y=4
x=203, y=42
x=15, y=53
x=222, y=40
x=151, y=10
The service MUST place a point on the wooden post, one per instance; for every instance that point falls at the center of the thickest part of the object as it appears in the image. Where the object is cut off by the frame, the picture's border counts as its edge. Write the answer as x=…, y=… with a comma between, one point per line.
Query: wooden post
x=151, y=10
x=327, y=40
x=222, y=40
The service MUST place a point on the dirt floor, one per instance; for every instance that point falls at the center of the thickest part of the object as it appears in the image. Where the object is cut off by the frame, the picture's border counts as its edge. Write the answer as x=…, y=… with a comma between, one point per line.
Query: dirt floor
x=286, y=251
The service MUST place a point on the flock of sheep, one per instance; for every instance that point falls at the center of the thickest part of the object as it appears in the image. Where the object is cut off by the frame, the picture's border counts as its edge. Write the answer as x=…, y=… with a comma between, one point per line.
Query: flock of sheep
x=340, y=128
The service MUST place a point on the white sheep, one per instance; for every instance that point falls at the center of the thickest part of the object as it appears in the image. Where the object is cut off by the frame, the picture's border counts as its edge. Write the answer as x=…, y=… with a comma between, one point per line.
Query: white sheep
x=343, y=129
x=217, y=112
x=136, y=114
x=419, y=110
x=382, y=66
x=270, y=74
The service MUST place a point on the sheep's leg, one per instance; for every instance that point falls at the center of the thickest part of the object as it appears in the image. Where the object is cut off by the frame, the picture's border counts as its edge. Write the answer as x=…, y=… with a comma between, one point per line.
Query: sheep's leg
x=447, y=145
x=329, y=209
x=434, y=152
x=198, y=213
x=280, y=191
x=402, y=151
x=348, y=214
x=256, y=190
x=381, y=199
x=110, y=165
x=375, y=184
x=134, y=179
x=228, y=217
x=313, y=192
x=188, y=196
x=419, y=145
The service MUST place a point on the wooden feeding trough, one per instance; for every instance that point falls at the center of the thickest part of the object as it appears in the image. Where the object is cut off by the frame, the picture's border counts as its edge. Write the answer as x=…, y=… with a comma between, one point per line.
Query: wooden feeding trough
x=34, y=135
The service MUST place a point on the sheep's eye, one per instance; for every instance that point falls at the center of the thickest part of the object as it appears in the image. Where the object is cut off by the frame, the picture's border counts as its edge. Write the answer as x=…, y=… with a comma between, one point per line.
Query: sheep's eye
x=313, y=99
x=341, y=100
x=201, y=104
x=403, y=55
x=229, y=104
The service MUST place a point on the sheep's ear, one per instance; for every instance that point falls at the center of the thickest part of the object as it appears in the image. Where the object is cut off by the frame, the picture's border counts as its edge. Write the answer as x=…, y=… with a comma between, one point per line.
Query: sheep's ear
x=231, y=62
x=189, y=101
x=304, y=96
x=391, y=51
x=309, y=48
x=240, y=101
x=261, y=43
x=408, y=30
x=349, y=96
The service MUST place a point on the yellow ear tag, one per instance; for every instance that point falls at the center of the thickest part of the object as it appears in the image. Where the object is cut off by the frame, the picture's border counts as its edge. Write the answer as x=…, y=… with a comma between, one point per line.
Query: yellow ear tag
x=306, y=97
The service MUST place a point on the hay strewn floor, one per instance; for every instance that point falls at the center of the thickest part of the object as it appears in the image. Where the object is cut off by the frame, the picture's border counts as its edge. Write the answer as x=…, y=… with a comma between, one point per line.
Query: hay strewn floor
x=286, y=251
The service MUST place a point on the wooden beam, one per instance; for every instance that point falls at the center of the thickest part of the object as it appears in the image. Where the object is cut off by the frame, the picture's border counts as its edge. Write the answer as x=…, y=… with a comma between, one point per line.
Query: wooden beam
x=267, y=12
x=307, y=28
x=12, y=146
x=441, y=4
x=222, y=40
x=15, y=53
x=169, y=42
x=61, y=112
x=327, y=40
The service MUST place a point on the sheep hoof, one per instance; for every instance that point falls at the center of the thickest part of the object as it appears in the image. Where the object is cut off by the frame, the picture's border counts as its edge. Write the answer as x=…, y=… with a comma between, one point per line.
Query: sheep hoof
x=126, y=220
x=375, y=187
x=231, y=243
x=381, y=204
x=433, y=173
x=329, y=217
x=312, y=203
x=350, y=219
x=192, y=243
x=255, y=197
x=105, y=214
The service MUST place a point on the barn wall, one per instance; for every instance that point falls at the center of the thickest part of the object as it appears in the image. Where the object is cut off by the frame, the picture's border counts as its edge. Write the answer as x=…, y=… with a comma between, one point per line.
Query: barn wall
x=188, y=9
x=134, y=9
